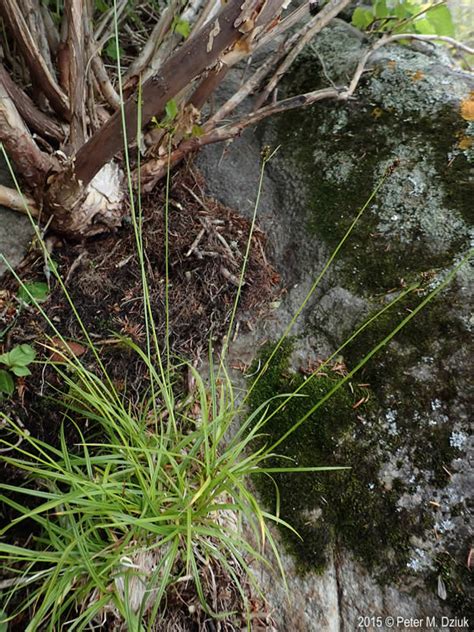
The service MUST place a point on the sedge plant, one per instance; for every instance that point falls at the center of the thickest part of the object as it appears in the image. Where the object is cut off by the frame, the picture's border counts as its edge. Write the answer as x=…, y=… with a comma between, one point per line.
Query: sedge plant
x=154, y=495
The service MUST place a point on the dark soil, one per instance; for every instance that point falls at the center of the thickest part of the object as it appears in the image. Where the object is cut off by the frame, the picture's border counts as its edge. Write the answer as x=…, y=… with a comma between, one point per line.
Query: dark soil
x=102, y=277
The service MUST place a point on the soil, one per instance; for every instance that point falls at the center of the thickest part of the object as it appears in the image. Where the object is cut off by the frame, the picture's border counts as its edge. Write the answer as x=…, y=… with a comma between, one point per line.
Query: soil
x=207, y=244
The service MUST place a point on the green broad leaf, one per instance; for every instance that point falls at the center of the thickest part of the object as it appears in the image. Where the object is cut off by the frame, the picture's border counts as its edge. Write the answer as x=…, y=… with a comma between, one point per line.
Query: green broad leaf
x=101, y=6
x=381, y=10
x=424, y=27
x=440, y=20
x=7, y=385
x=171, y=110
x=20, y=371
x=362, y=18
x=21, y=355
x=36, y=290
x=111, y=50
x=182, y=27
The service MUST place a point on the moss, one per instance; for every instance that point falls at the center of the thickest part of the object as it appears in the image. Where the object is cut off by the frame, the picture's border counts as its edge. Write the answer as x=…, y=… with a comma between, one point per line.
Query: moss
x=350, y=506
x=459, y=584
x=341, y=151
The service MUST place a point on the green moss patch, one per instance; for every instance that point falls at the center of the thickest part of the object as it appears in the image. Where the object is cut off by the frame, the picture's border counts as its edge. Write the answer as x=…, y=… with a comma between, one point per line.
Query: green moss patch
x=352, y=506
x=418, y=220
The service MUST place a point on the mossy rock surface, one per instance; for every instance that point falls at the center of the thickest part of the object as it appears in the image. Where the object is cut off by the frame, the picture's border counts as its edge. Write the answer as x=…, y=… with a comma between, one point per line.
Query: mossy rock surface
x=409, y=120
x=402, y=511
x=349, y=506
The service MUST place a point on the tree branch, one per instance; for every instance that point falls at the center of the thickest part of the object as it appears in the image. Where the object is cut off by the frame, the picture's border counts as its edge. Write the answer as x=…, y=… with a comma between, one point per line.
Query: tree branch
x=151, y=46
x=11, y=13
x=16, y=201
x=51, y=31
x=389, y=39
x=198, y=53
x=75, y=69
x=35, y=118
x=153, y=170
x=32, y=164
x=430, y=38
x=305, y=35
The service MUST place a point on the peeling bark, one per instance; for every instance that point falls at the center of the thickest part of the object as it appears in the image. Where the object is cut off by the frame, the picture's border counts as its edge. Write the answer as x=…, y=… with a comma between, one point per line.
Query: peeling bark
x=195, y=55
x=74, y=54
x=32, y=164
x=11, y=13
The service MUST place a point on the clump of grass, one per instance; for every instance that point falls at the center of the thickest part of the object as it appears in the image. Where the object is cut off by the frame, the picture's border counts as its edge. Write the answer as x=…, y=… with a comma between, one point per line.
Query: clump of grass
x=118, y=522
x=155, y=503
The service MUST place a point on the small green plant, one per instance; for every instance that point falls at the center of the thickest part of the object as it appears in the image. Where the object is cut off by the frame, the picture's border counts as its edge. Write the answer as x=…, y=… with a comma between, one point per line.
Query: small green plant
x=160, y=497
x=34, y=291
x=404, y=16
x=16, y=363
x=182, y=27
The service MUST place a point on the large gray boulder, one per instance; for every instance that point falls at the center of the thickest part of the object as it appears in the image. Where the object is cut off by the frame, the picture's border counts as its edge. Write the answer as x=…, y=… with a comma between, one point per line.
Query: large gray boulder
x=393, y=538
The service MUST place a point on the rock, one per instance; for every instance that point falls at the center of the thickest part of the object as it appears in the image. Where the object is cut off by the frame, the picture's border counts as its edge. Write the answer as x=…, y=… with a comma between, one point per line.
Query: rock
x=15, y=229
x=396, y=531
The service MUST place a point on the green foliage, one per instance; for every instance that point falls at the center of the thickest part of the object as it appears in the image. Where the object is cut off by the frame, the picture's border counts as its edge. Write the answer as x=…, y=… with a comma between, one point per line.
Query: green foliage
x=404, y=16
x=35, y=291
x=7, y=383
x=164, y=484
x=182, y=27
x=16, y=362
x=111, y=50
x=171, y=110
x=171, y=113
x=101, y=6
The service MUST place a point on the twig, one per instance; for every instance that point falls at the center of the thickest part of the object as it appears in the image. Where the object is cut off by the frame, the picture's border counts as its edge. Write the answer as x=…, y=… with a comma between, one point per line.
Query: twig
x=106, y=24
x=195, y=243
x=431, y=38
x=231, y=277
x=74, y=266
x=388, y=39
x=305, y=35
x=103, y=80
x=154, y=41
x=208, y=225
x=34, y=117
x=32, y=163
x=154, y=169
x=265, y=68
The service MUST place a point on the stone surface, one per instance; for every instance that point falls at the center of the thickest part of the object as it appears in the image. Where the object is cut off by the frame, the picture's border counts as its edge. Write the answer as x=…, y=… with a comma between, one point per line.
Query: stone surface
x=15, y=229
x=407, y=114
